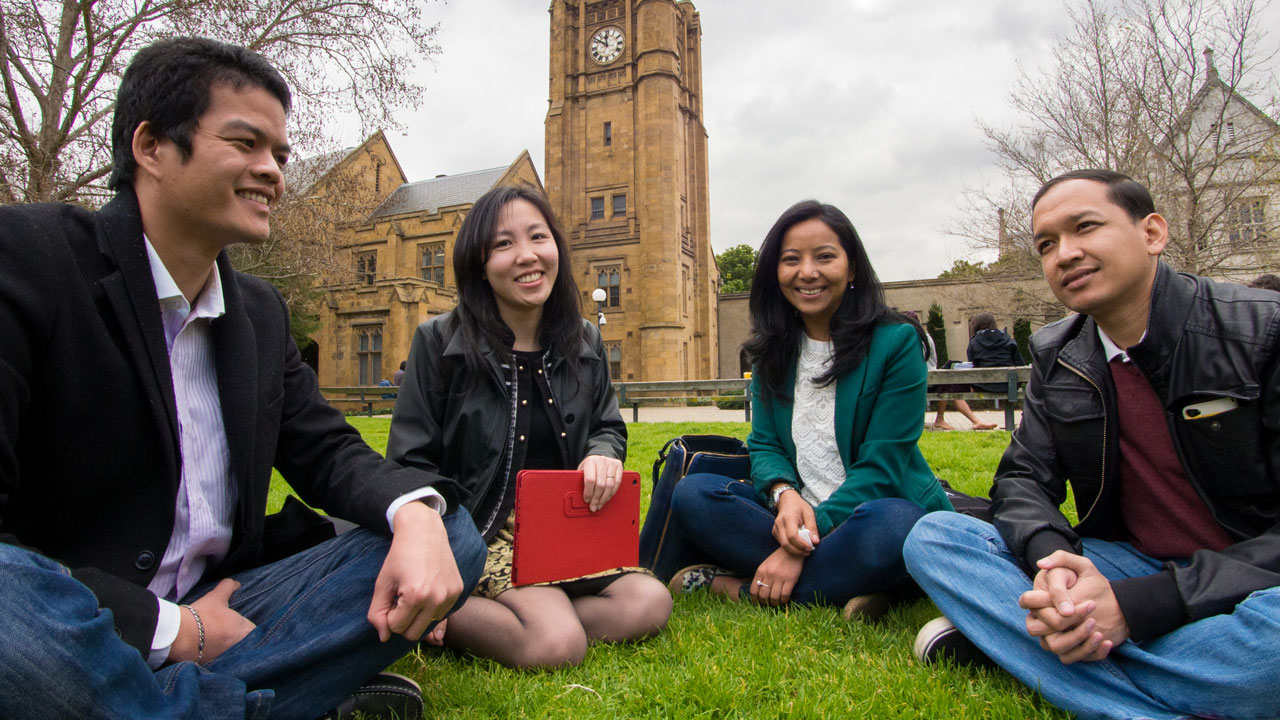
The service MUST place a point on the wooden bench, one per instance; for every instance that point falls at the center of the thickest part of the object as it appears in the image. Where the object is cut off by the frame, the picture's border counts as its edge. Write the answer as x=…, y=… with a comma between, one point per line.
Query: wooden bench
x=665, y=392
x=367, y=395
x=1014, y=380
x=635, y=394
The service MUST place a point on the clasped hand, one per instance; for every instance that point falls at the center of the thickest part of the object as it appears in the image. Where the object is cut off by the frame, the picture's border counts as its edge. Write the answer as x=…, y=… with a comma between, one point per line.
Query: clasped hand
x=1072, y=609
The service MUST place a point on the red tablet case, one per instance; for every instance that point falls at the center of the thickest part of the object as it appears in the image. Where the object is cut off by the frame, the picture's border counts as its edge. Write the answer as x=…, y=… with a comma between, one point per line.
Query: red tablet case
x=558, y=538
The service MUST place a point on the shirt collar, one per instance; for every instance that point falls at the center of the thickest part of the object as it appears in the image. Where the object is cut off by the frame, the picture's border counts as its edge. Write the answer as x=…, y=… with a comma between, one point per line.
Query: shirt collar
x=1113, y=350
x=209, y=302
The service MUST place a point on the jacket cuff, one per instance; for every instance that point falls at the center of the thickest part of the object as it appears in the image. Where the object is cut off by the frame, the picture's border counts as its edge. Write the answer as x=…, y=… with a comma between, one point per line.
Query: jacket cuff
x=1041, y=545
x=1151, y=604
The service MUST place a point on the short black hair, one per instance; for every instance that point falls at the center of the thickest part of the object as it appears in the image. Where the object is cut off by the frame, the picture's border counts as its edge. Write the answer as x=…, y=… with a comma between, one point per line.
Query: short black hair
x=1122, y=190
x=168, y=84
x=1266, y=281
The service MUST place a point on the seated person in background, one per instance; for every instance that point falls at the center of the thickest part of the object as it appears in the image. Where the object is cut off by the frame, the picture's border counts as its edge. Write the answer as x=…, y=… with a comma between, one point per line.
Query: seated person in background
x=990, y=346
x=1266, y=281
x=1160, y=403
x=515, y=378
x=137, y=559
x=836, y=391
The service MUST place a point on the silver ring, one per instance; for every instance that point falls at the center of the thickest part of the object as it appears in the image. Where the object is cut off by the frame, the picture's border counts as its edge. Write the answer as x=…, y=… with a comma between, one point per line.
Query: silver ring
x=608, y=477
x=761, y=584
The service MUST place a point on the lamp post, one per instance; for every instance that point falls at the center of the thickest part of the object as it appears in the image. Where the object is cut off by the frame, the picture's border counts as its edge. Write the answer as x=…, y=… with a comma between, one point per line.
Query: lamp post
x=599, y=295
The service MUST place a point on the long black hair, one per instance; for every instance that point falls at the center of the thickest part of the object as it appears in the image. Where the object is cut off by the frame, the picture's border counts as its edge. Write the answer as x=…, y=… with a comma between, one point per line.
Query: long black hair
x=777, y=325
x=476, y=319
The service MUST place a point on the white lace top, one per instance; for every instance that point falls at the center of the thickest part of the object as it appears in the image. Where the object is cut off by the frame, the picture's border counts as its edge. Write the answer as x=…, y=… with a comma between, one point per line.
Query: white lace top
x=813, y=424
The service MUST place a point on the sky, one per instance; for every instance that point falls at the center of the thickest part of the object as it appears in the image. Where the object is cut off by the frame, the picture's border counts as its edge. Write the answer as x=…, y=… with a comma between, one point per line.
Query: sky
x=870, y=105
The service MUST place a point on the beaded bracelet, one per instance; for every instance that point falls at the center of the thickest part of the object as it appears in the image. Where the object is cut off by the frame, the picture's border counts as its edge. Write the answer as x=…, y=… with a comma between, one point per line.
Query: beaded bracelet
x=200, y=631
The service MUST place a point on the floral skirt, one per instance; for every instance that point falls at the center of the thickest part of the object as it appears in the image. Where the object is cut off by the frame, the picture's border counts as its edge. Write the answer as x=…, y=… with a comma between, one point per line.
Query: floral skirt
x=496, y=578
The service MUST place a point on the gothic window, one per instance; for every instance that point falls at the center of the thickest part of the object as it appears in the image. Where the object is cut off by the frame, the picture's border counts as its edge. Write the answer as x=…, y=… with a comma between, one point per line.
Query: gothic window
x=610, y=278
x=369, y=354
x=366, y=267
x=431, y=262
x=619, y=205
x=1247, y=221
x=608, y=134
x=597, y=208
x=615, y=360
x=684, y=291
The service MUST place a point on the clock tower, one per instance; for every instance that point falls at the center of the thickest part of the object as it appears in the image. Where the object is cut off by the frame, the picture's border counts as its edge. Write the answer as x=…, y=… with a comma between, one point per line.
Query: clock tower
x=626, y=170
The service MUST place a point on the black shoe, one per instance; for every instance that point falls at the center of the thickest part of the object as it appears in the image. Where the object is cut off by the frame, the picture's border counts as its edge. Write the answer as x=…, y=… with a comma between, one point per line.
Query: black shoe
x=940, y=640
x=386, y=696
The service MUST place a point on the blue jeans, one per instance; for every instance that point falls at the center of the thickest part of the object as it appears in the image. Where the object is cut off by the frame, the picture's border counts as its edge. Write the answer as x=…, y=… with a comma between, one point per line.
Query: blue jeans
x=1220, y=666
x=862, y=555
x=312, y=646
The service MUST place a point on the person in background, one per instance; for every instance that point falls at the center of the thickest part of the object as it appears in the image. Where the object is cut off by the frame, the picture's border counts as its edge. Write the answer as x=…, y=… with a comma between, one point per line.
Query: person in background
x=398, y=376
x=837, y=387
x=1266, y=281
x=991, y=347
x=1159, y=402
x=514, y=378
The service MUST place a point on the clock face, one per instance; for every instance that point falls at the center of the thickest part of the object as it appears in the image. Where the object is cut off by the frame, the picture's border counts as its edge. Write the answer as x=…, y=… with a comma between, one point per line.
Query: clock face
x=606, y=45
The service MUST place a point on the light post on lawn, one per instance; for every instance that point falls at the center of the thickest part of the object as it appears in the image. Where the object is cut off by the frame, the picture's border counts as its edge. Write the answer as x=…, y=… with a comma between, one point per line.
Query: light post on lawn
x=599, y=295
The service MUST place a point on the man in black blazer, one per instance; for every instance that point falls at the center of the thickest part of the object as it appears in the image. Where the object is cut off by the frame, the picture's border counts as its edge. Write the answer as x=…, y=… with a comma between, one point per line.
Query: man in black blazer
x=147, y=390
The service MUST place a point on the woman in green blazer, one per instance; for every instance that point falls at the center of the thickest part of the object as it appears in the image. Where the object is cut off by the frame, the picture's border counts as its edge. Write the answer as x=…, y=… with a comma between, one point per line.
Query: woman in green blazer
x=837, y=393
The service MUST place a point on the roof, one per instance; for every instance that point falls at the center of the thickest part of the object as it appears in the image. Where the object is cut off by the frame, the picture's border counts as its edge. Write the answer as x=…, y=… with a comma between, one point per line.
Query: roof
x=431, y=195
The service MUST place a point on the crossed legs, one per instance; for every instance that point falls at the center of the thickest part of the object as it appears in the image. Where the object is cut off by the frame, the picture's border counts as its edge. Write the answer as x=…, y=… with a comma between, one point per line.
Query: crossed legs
x=1220, y=666
x=543, y=627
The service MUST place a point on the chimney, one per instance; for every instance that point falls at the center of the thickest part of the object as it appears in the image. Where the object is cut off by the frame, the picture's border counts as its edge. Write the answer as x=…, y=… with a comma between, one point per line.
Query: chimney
x=1002, y=237
x=1210, y=69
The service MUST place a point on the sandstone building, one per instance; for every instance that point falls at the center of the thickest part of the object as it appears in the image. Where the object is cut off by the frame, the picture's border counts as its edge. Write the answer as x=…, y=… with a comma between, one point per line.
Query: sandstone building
x=395, y=265
x=626, y=170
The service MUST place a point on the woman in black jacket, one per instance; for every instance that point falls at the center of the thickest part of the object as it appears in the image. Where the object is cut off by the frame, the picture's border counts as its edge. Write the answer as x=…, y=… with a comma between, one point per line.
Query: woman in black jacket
x=989, y=346
x=514, y=378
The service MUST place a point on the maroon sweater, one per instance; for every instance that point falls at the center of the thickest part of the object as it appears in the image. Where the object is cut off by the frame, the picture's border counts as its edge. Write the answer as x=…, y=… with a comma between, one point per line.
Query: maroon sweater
x=1163, y=514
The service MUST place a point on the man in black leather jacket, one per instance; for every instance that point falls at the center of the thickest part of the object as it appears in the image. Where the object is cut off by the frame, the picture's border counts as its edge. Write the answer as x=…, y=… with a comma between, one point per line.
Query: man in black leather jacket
x=1160, y=403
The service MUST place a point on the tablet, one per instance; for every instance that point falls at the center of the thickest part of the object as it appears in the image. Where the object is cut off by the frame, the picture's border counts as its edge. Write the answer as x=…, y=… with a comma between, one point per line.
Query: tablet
x=558, y=538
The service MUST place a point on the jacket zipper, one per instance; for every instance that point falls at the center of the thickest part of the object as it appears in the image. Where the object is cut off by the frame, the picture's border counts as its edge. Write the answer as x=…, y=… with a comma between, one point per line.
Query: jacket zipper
x=1102, y=476
x=511, y=445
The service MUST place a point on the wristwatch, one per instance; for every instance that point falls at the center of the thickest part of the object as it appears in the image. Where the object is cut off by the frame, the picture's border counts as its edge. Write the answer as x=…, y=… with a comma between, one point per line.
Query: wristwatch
x=777, y=493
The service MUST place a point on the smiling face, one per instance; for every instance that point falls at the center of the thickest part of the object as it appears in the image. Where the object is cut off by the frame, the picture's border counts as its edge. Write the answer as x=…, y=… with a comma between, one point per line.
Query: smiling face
x=224, y=190
x=813, y=274
x=522, y=265
x=1097, y=260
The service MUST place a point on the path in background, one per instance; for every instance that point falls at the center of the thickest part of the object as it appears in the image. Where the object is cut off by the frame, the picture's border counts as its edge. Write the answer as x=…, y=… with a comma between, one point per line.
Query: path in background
x=711, y=413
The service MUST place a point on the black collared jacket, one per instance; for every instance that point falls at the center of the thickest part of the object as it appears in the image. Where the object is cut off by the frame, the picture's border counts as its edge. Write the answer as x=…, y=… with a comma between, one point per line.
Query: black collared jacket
x=464, y=428
x=1204, y=340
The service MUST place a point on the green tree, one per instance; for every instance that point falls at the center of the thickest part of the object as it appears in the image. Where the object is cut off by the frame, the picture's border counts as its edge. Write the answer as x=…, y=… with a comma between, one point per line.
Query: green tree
x=963, y=269
x=938, y=331
x=737, y=267
x=1022, y=336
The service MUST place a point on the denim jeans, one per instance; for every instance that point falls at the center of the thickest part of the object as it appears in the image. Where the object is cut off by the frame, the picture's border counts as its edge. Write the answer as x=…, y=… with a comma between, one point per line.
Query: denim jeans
x=1220, y=666
x=861, y=556
x=312, y=646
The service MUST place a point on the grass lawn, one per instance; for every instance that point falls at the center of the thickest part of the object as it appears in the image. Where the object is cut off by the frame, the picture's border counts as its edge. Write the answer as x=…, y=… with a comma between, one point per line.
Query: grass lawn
x=717, y=659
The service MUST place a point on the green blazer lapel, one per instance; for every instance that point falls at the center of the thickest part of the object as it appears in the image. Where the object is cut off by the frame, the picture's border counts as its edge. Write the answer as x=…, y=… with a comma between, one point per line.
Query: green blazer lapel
x=848, y=389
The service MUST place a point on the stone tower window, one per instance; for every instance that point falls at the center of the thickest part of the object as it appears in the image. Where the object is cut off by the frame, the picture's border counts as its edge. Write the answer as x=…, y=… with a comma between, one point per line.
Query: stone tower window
x=366, y=267
x=597, y=208
x=610, y=279
x=619, y=205
x=431, y=262
x=369, y=354
x=615, y=360
x=608, y=134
